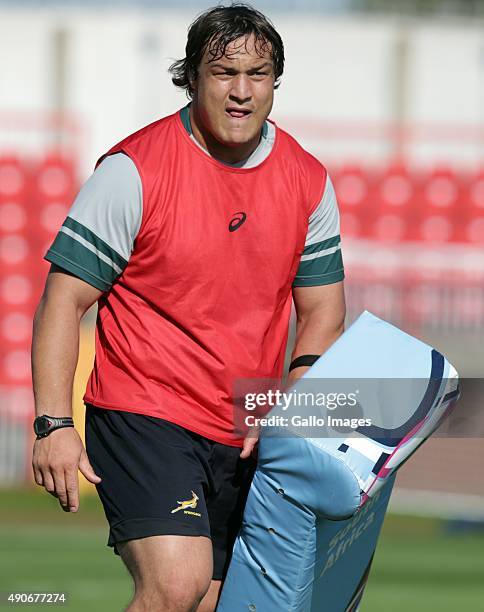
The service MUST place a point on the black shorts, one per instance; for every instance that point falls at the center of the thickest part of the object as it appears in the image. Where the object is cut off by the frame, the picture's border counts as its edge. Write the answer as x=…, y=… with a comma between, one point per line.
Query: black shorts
x=159, y=478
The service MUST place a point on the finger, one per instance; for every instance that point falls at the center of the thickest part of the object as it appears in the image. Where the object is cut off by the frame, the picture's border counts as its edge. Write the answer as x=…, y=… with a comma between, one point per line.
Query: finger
x=249, y=444
x=72, y=488
x=87, y=470
x=60, y=487
x=244, y=452
x=38, y=476
x=48, y=482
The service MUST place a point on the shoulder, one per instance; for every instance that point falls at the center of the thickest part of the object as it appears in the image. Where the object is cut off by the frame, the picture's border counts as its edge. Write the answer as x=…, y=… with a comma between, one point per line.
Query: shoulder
x=111, y=199
x=116, y=167
x=115, y=180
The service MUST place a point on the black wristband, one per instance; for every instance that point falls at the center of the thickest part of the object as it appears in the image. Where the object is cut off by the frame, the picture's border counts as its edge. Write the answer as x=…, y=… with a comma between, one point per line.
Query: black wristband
x=303, y=360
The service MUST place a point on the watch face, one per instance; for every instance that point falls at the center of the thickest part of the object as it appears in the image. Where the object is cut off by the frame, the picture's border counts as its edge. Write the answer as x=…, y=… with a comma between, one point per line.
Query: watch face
x=42, y=425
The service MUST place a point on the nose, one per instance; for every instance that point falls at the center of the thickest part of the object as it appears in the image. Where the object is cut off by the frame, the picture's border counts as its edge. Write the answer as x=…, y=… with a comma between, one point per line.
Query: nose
x=241, y=89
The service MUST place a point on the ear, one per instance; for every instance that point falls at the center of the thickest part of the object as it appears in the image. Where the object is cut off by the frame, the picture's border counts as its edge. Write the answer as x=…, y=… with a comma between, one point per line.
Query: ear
x=193, y=80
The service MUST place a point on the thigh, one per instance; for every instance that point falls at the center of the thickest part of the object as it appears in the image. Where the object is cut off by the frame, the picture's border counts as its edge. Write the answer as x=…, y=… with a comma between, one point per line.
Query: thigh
x=232, y=477
x=153, y=479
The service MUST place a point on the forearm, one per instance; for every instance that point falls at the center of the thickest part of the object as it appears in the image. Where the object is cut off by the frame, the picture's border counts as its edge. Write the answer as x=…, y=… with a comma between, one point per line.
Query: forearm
x=314, y=336
x=55, y=351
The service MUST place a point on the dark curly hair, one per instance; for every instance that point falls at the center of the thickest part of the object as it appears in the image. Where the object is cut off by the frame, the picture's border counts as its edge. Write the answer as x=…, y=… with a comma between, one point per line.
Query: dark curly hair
x=215, y=29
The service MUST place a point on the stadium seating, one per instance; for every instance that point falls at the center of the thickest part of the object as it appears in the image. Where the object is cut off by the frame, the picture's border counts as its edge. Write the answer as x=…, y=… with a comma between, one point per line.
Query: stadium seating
x=396, y=203
x=34, y=200
x=353, y=188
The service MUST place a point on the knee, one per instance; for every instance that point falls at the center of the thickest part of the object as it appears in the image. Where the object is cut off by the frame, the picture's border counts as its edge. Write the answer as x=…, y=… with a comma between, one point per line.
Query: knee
x=182, y=597
x=173, y=596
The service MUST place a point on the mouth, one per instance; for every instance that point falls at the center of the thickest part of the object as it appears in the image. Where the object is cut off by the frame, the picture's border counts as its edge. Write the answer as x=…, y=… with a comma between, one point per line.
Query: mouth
x=238, y=113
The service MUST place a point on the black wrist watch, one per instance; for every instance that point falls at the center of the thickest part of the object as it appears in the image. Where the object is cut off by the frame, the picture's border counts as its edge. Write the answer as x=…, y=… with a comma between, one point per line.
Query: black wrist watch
x=45, y=424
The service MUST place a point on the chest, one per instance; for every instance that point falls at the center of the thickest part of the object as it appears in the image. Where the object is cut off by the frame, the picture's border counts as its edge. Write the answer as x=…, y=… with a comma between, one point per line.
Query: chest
x=215, y=226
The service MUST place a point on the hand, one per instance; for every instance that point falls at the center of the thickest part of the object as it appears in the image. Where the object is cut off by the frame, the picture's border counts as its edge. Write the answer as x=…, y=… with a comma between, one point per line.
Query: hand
x=55, y=462
x=250, y=441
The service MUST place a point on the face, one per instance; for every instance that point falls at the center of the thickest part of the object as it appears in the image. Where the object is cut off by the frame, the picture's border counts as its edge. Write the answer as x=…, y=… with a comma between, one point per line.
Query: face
x=232, y=98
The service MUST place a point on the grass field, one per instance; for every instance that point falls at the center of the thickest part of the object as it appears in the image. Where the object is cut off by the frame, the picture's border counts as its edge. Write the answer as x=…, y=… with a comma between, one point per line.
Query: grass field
x=418, y=566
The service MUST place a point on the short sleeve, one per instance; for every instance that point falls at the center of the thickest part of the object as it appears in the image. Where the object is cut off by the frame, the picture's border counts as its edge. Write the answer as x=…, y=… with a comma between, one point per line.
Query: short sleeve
x=321, y=262
x=96, y=239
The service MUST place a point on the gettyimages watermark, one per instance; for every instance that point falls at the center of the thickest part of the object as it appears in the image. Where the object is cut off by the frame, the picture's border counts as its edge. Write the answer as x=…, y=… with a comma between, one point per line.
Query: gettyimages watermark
x=384, y=409
x=291, y=401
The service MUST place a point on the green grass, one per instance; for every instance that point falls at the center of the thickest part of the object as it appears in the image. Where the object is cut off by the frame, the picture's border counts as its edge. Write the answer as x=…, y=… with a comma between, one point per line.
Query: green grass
x=417, y=568
x=44, y=549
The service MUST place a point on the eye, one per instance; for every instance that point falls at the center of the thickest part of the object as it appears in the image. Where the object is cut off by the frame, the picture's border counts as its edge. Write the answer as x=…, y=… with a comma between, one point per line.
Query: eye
x=229, y=71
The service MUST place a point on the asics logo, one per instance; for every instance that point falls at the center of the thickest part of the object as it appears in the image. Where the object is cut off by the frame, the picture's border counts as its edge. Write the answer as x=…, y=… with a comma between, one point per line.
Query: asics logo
x=236, y=221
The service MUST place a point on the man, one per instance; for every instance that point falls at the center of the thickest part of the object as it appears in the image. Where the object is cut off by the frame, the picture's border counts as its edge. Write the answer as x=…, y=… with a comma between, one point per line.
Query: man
x=193, y=235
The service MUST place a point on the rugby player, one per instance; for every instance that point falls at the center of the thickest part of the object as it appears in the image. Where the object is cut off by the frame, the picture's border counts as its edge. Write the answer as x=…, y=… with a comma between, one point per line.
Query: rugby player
x=193, y=235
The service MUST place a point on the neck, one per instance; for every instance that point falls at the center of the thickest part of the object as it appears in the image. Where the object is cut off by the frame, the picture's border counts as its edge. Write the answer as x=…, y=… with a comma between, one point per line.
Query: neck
x=224, y=153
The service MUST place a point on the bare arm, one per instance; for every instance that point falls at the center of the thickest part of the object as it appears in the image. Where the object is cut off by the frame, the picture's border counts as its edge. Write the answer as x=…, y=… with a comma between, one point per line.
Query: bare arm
x=320, y=321
x=55, y=350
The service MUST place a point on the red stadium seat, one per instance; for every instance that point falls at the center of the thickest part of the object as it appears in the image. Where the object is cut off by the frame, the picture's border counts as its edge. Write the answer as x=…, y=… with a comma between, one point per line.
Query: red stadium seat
x=15, y=338
x=435, y=228
x=437, y=211
x=55, y=190
x=353, y=188
x=51, y=217
x=472, y=217
x=13, y=218
x=14, y=179
x=15, y=367
x=55, y=178
x=15, y=332
x=15, y=326
x=474, y=230
x=441, y=189
x=19, y=257
x=14, y=251
x=476, y=195
x=19, y=290
x=394, y=204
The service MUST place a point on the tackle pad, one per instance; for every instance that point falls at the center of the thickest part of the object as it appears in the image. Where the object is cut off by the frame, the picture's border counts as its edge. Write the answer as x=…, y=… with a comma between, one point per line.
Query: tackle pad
x=319, y=494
